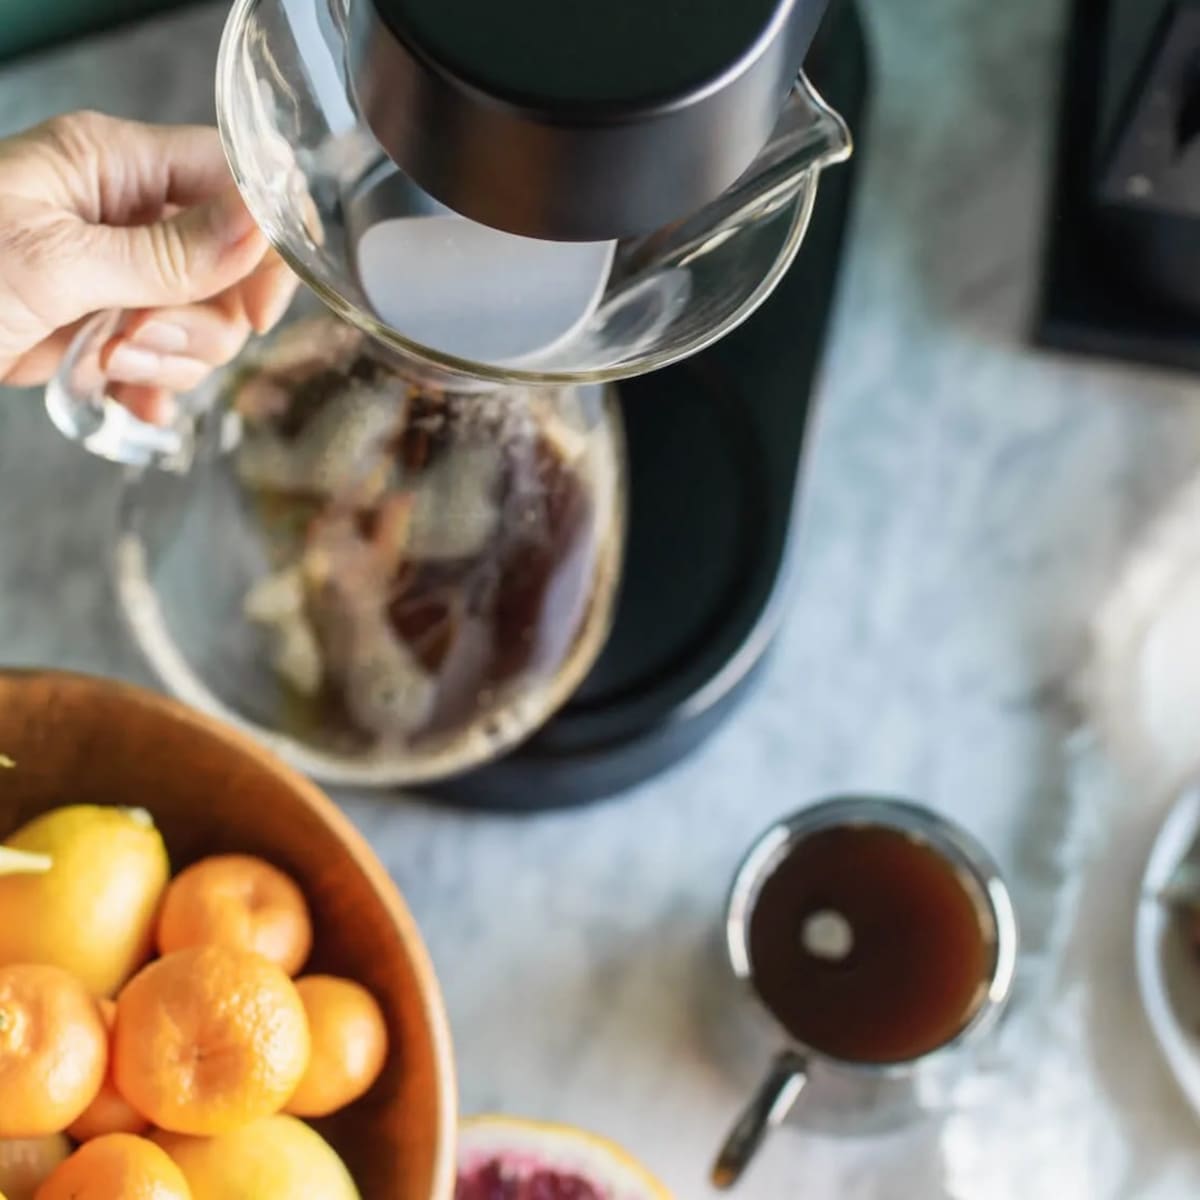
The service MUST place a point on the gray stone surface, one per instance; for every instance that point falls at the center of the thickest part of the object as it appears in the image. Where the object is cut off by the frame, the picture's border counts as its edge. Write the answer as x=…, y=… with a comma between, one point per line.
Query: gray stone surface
x=968, y=503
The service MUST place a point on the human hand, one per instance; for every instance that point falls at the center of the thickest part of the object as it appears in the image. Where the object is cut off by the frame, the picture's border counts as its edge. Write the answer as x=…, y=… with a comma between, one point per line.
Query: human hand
x=98, y=213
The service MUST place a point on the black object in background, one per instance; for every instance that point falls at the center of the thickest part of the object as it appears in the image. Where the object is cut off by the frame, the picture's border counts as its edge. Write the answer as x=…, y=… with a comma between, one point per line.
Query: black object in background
x=31, y=25
x=1122, y=275
x=716, y=446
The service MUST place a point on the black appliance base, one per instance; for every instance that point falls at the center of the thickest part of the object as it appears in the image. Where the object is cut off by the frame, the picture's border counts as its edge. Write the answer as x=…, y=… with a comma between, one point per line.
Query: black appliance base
x=1088, y=304
x=715, y=451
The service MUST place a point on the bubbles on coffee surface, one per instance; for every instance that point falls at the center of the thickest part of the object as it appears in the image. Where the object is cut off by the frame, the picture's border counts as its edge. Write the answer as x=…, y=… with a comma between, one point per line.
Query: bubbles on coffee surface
x=443, y=567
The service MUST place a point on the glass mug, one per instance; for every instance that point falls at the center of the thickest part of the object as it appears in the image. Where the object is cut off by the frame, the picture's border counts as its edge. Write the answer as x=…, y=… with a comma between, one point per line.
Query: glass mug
x=302, y=584
x=877, y=935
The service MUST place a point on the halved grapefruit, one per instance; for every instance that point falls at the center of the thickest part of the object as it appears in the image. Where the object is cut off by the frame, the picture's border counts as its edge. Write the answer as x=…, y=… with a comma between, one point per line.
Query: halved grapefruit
x=505, y=1158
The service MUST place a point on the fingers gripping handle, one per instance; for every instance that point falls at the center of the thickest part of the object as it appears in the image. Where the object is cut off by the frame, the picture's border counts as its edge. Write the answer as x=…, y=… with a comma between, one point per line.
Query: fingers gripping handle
x=79, y=405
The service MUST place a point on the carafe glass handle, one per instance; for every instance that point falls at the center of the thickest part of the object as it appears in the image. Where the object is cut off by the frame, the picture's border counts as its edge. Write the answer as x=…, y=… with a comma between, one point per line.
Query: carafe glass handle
x=79, y=404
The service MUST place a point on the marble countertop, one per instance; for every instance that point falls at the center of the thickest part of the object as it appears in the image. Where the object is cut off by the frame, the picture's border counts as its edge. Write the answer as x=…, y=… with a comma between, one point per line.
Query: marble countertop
x=969, y=502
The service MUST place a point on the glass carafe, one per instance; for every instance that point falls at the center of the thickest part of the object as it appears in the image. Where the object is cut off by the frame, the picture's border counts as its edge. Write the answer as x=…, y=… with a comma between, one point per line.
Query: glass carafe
x=391, y=560
x=388, y=583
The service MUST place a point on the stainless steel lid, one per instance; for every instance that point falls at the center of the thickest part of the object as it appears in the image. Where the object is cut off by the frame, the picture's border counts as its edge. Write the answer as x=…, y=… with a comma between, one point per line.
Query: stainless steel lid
x=576, y=120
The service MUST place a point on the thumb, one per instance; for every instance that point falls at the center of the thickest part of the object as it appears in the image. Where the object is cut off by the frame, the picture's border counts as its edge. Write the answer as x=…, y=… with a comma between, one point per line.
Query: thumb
x=187, y=257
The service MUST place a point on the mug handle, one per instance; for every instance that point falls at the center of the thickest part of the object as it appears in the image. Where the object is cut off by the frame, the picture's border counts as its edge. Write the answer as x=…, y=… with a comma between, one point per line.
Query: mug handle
x=78, y=403
x=770, y=1106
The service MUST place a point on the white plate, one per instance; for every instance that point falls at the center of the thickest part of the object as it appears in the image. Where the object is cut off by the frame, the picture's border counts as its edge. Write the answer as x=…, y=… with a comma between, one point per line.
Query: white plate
x=1168, y=967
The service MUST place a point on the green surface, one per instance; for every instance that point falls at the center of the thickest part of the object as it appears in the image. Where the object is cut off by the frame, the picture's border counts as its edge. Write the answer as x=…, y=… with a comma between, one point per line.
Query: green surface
x=28, y=25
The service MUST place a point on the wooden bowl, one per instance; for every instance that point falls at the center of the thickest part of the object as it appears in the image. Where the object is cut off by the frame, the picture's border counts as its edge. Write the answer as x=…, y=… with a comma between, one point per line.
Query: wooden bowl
x=77, y=740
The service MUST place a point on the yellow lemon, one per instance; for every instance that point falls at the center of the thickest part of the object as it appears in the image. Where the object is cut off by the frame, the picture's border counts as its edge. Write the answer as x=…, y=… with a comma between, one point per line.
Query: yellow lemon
x=92, y=912
x=278, y=1158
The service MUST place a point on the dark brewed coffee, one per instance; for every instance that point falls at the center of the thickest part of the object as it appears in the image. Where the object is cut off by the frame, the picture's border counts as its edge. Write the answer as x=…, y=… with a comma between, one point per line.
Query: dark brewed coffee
x=870, y=946
x=444, y=565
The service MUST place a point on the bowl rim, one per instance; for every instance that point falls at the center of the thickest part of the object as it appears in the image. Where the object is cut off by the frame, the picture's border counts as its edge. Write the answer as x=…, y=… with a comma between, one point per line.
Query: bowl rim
x=342, y=828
